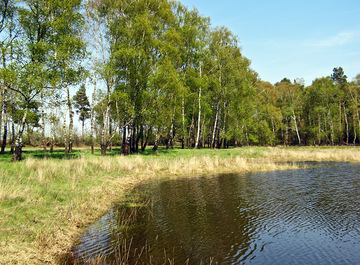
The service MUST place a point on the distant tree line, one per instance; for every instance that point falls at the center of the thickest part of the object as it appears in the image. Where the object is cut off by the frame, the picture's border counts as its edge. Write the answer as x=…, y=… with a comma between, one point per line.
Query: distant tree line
x=158, y=73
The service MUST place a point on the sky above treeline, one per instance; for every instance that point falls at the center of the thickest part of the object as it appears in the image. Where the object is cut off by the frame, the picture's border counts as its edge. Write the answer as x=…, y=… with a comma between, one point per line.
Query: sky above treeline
x=293, y=39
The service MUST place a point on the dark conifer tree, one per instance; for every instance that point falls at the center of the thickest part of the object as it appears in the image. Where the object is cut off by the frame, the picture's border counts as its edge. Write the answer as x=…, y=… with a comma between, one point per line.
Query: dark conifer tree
x=82, y=106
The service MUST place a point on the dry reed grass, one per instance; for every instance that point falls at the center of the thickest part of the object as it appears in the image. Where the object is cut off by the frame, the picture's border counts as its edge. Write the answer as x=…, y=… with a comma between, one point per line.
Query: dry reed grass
x=10, y=190
x=339, y=154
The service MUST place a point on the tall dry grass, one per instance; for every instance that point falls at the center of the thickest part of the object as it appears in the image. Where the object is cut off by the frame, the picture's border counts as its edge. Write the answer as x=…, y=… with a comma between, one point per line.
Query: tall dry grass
x=339, y=154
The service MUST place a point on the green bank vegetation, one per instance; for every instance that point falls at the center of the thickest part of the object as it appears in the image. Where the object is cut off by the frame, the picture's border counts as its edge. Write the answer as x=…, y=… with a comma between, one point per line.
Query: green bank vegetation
x=47, y=200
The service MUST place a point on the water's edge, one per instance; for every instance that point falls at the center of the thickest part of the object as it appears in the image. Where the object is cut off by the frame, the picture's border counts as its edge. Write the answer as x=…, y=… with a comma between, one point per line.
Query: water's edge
x=248, y=211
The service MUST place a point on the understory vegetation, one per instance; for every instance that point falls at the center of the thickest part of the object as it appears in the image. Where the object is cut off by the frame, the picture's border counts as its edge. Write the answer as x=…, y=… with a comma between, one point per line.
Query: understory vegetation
x=47, y=200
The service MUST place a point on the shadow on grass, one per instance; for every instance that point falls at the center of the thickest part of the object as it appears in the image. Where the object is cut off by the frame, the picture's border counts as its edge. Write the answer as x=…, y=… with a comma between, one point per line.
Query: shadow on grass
x=59, y=153
x=39, y=153
x=56, y=154
x=148, y=151
x=6, y=156
x=161, y=149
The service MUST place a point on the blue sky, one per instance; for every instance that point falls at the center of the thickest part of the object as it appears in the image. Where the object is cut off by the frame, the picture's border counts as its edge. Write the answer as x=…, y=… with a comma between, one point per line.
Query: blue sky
x=291, y=38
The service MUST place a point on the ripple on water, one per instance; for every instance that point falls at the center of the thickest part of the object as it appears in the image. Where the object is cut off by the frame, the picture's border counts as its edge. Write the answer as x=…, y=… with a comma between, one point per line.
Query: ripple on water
x=308, y=216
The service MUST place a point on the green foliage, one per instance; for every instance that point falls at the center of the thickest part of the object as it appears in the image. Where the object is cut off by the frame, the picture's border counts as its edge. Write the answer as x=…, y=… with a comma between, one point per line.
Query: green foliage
x=339, y=76
x=82, y=103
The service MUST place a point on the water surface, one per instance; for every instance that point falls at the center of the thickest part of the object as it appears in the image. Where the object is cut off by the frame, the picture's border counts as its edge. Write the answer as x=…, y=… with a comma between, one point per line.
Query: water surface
x=307, y=216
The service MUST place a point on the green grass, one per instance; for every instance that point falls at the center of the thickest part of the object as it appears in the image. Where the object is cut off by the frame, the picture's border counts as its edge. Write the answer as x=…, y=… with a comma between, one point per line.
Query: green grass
x=162, y=152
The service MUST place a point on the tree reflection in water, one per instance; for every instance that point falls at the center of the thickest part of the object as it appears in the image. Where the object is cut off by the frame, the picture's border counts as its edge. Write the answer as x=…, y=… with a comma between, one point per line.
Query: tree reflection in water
x=304, y=216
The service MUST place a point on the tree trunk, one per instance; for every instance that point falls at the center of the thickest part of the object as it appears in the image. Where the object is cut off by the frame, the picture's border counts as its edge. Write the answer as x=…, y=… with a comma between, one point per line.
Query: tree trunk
x=29, y=134
x=332, y=129
x=198, y=123
x=203, y=131
x=296, y=128
x=287, y=132
x=103, y=149
x=147, y=135
x=189, y=140
x=137, y=139
x=104, y=146
x=224, y=126
x=125, y=143
x=155, y=148
x=183, y=124
x=4, y=106
x=2, y=99
x=64, y=131
x=273, y=129
x=129, y=138
x=92, y=119
x=319, y=133
x=43, y=122
x=218, y=142
x=17, y=156
x=347, y=126
x=141, y=136
x=3, y=145
x=224, y=129
x=82, y=131
x=358, y=120
x=170, y=142
x=247, y=136
x=52, y=122
x=199, y=118
x=133, y=139
x=355, y=130
x=110, y=131
x=12, y=129
x=103, y=131
x=93, y=103
x=215, y=125
x=71, y=115
x=340, y=123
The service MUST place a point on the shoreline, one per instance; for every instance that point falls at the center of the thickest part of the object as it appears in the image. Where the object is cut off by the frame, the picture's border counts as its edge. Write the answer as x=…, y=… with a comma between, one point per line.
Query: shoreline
x=50, y=202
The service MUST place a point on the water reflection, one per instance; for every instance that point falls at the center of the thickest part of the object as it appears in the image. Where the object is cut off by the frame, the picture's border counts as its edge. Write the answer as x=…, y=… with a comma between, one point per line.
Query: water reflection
x=308, y=216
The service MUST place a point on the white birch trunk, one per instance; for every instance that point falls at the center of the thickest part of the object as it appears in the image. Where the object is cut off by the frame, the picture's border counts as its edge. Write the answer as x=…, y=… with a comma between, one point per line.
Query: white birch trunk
x=52, y=121
x=215, y=126
x=199, y=118
x=71, y=119
x=18, y=146
x=64, y=130
x=43, y=121
x=296, y=127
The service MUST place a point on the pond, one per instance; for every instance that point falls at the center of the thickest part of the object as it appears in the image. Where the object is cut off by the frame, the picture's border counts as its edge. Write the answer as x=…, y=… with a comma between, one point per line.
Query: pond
x=306, y=216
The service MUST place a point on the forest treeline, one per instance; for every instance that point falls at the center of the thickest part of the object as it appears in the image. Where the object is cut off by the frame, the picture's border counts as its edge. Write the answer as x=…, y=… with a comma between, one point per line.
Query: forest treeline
x=152, y=72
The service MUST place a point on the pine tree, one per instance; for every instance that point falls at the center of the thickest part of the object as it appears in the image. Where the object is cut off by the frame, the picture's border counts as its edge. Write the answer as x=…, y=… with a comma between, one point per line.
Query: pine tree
x=82, y=106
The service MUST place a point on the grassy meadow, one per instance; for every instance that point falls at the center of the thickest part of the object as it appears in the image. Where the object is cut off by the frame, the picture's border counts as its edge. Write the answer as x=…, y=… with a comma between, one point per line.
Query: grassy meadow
x=47, y=200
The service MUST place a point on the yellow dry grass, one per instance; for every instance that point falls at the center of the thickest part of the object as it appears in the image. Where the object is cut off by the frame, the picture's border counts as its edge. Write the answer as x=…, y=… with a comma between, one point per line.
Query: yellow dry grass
x=339, y=154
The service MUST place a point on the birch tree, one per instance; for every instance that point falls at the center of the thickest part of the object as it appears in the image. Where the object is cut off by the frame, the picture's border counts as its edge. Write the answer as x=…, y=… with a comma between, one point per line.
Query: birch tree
x=136, y=39
x=68, y=51
x=9, y=32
